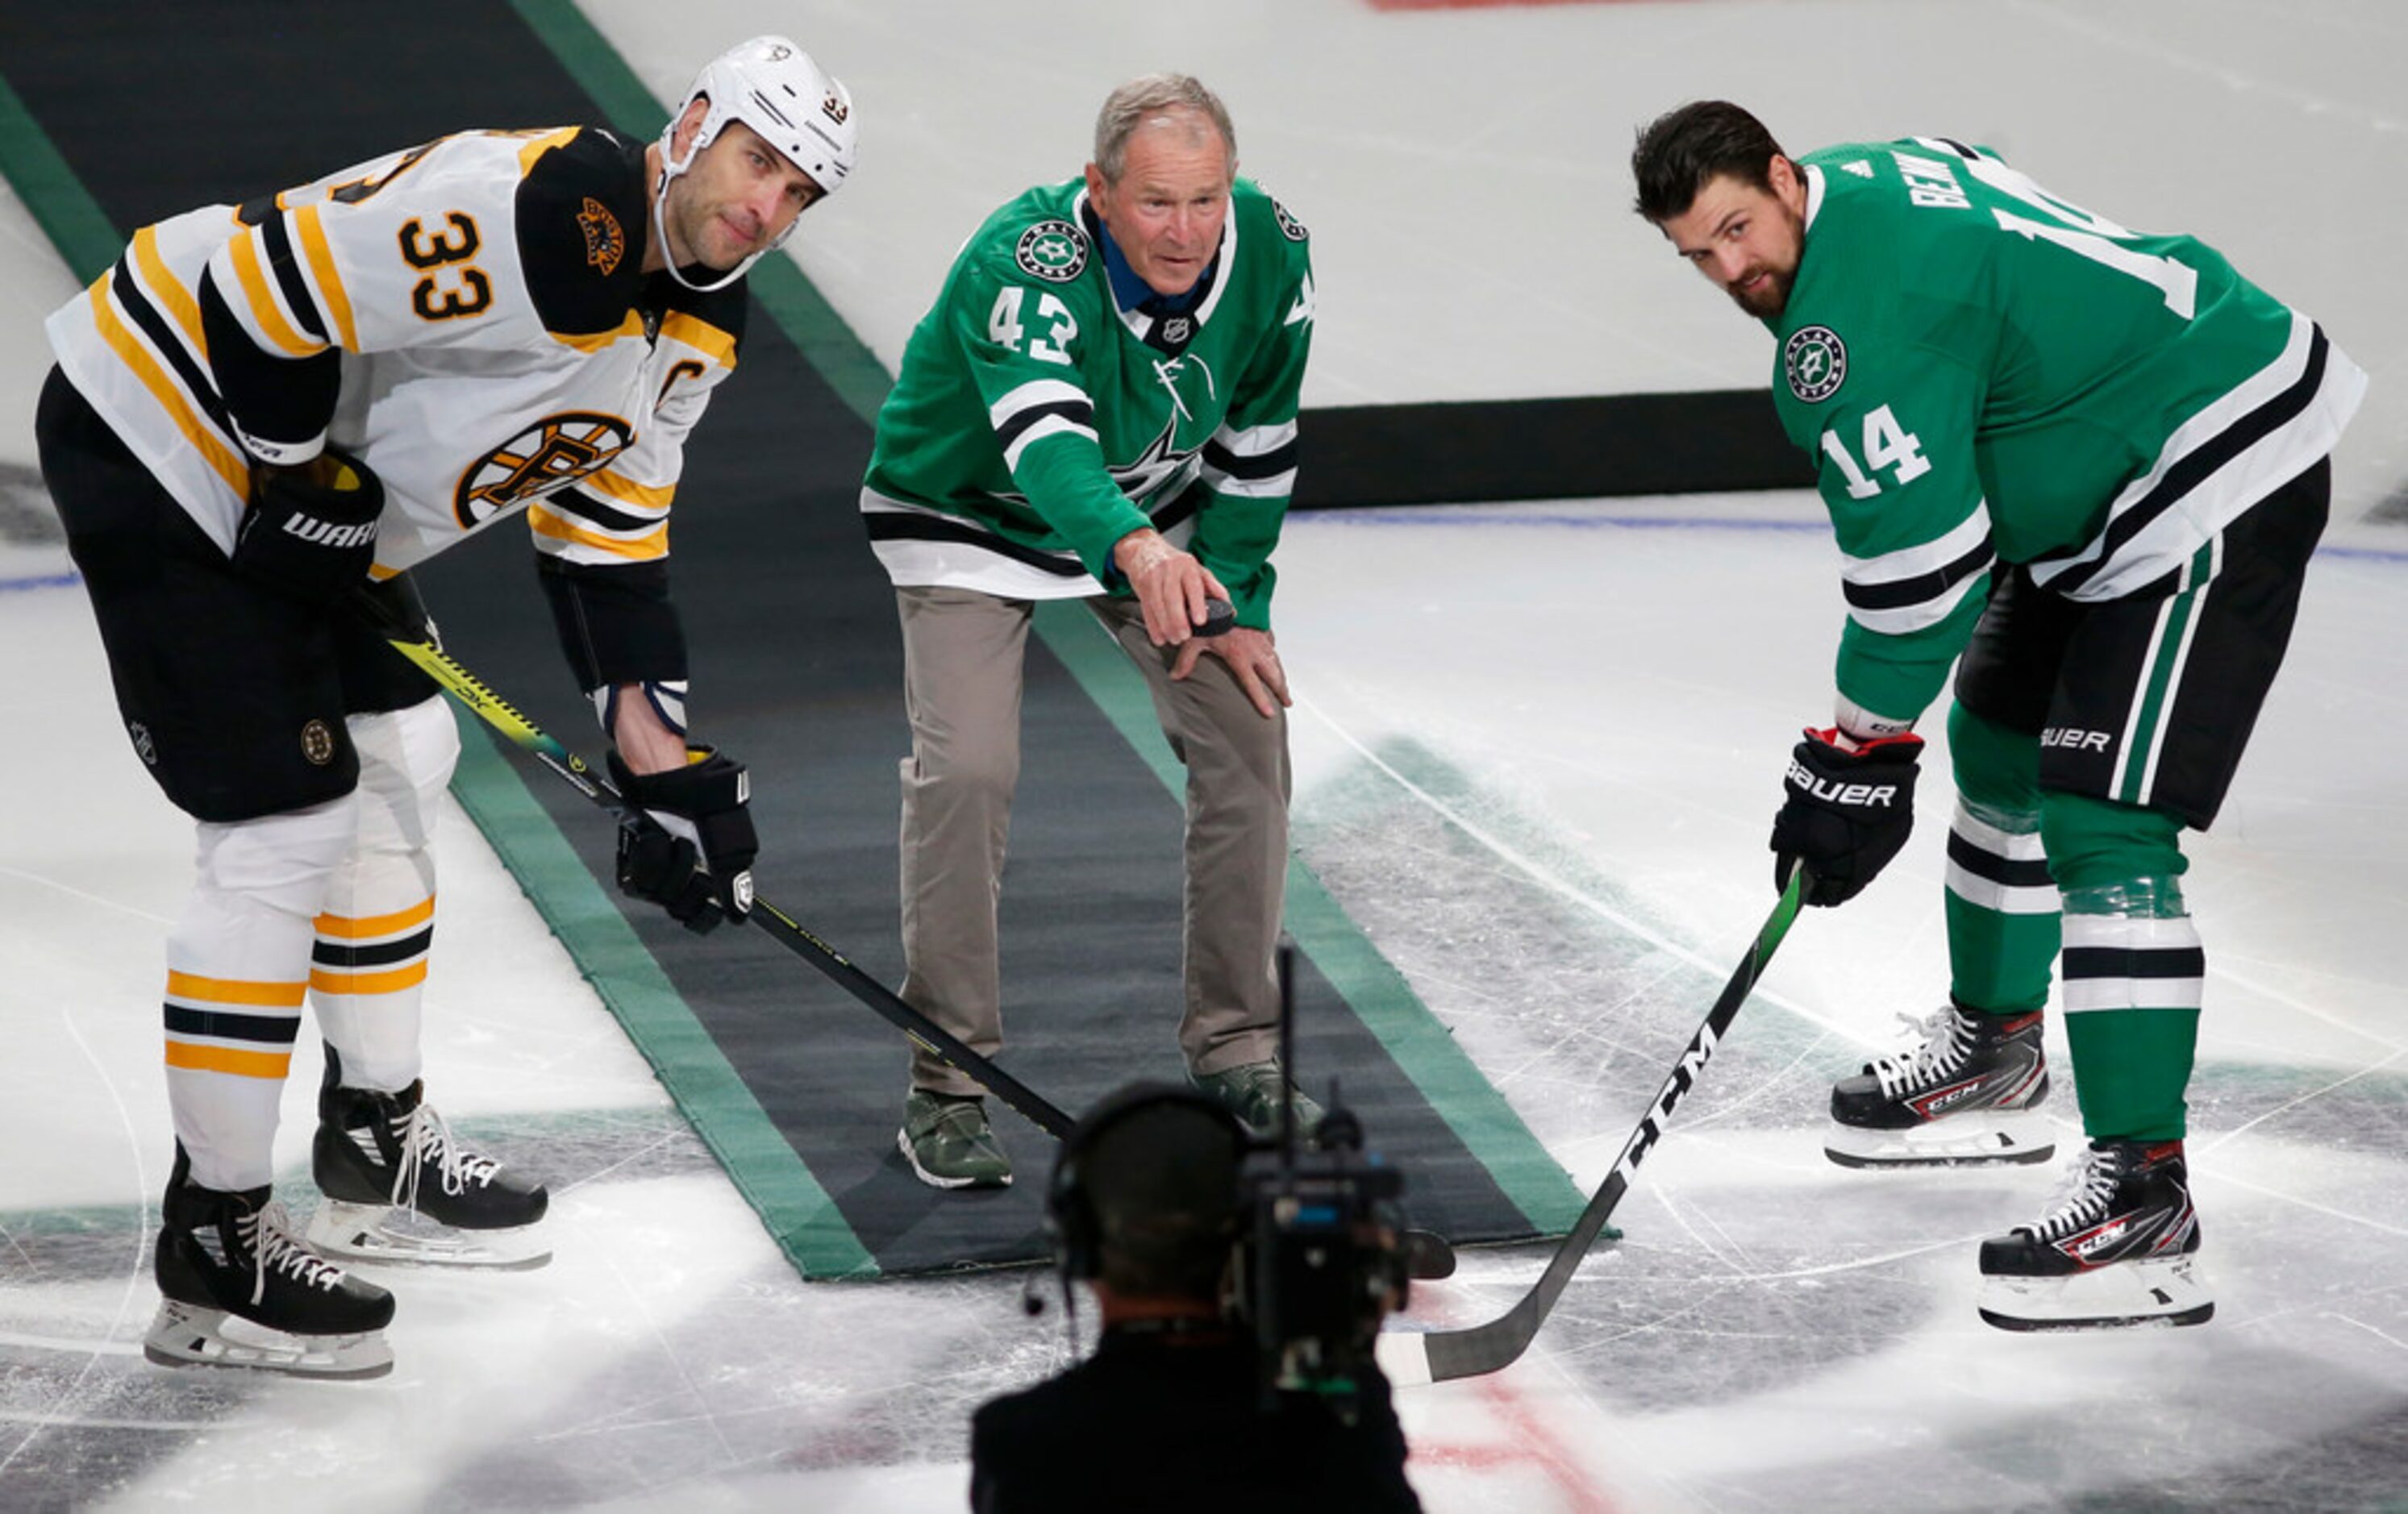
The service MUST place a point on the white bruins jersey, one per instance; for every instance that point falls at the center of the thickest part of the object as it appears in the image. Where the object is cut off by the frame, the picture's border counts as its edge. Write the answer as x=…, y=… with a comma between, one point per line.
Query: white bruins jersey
x=469, y=318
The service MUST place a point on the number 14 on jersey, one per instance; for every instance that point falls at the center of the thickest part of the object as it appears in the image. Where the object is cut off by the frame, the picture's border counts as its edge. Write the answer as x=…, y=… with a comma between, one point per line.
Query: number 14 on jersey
x=1886, y=445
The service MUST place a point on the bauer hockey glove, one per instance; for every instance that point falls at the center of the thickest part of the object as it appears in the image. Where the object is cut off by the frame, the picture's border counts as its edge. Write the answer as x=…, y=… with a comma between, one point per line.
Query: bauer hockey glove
x=688, y=844
x=1847, y=814
x=310, y=531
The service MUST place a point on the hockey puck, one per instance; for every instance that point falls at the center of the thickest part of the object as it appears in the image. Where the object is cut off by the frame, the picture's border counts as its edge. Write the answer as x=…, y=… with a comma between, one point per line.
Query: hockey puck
x=1220, y=617
x=1427, y=1256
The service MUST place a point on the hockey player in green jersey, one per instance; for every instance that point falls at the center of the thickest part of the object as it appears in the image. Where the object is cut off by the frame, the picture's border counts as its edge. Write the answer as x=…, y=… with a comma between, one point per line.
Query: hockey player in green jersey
x=2093, y=462
x=1101, y=405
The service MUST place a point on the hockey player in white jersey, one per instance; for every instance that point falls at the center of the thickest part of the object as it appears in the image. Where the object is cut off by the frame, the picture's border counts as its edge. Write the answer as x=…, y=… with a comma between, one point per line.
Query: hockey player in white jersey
x=262, y=416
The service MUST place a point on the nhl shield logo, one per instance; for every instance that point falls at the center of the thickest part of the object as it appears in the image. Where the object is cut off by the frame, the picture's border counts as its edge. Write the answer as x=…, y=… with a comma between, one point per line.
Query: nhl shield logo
x=1816, y=363
x=1054, y=251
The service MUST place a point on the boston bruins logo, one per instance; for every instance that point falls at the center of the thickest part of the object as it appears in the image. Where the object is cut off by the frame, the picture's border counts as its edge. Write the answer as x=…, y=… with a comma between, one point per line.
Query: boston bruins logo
x=552, y=454
x=1054, y=251
x=1816, y=363
x=318, y=743
x=605, y=243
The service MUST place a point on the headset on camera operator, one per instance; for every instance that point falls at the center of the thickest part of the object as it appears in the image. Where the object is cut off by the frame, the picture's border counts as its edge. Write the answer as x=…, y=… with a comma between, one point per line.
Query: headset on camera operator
x=1240, y=1289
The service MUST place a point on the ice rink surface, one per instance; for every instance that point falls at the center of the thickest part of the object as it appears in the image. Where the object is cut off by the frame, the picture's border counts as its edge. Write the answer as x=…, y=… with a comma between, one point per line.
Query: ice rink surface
x=1538, y=748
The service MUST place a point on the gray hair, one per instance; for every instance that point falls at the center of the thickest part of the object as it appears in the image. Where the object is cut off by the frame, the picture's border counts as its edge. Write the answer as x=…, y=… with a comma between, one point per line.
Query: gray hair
x=1142, y=99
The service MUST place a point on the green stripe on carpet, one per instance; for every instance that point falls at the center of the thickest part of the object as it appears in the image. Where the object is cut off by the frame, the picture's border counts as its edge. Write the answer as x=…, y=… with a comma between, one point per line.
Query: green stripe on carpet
x=799, y=1214
x=57, y=199
x=1420, y=1045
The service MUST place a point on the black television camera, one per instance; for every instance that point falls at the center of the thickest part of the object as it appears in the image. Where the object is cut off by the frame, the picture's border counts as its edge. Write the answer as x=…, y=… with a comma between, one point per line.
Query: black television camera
x=1320, y=1260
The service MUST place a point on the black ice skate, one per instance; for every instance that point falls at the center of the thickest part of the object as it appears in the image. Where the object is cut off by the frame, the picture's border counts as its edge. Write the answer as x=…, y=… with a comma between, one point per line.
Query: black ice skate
x=241, y=1291
x=1968, y=1096
x=2119, y=1247
x=398, y=1187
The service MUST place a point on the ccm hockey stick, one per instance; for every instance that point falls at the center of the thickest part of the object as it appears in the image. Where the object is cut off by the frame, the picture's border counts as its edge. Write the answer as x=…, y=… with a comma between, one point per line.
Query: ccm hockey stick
x=1439, y=1355
x=1429, y=1255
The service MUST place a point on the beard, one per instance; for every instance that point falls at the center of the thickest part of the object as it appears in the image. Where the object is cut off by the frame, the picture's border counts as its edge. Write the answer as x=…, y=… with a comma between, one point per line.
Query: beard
x=1766, y=303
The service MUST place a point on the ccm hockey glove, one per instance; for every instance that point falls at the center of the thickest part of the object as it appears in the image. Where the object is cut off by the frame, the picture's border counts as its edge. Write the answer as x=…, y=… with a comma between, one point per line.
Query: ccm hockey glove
x=689, y=845
x=1847, y=814
x=310, y=531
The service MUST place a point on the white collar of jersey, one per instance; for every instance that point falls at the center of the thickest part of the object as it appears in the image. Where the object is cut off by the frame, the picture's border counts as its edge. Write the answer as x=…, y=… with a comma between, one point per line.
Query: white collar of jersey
x=1139, y=323
x=1813, y=193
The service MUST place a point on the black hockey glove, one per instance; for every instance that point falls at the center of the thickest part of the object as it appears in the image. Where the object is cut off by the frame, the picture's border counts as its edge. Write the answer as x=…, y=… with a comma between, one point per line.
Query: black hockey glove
x=310, y=531
x=689, y=848
x=1847, y=814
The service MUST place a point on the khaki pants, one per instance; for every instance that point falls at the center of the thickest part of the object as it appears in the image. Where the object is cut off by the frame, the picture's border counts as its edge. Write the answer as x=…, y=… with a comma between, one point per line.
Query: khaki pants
x=962, y=654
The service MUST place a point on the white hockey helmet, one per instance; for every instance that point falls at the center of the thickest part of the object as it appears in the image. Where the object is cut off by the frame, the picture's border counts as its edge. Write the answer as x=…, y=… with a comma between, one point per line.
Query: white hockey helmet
x=772, y=86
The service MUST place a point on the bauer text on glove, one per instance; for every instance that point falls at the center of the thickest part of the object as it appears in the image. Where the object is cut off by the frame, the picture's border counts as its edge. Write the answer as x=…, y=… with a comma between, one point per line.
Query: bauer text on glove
x=1848, y=811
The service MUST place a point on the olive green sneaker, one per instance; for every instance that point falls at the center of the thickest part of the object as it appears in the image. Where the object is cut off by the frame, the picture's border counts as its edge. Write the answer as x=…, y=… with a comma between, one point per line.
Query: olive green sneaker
x=1252, y=1091
x=947, y=1140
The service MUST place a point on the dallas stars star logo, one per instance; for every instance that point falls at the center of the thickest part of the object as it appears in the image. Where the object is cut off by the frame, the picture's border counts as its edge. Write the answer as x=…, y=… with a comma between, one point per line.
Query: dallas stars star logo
x=1161, y=465
x=1816, y=363
x=1054, y=251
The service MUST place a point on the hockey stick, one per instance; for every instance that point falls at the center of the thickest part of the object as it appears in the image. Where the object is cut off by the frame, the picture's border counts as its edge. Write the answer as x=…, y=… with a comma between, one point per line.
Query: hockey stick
x=1430, y=1255
x=1441, y=1355
x=781, y=927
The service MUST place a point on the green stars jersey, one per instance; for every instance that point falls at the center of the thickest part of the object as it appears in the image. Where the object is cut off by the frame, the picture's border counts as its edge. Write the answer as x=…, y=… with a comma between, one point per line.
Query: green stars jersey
x=1985, y=372
x=1035, y=423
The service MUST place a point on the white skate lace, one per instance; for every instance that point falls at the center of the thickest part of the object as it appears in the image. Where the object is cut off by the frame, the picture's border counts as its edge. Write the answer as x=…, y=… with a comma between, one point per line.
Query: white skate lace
x=425, y=1138
x=2080, y=1198
x=268, y=1232
x=1945, y=1038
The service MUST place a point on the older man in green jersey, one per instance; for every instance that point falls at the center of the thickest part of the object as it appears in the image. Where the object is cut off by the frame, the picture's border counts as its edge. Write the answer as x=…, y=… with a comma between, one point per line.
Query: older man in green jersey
x=2094, y=462
x=1101, y=405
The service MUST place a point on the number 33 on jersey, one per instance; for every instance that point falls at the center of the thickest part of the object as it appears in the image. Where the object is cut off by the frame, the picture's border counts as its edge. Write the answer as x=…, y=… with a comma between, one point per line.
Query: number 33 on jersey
x=470, y=317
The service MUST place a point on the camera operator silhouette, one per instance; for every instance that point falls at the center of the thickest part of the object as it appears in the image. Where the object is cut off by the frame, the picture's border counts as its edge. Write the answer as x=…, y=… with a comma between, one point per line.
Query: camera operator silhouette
x=1234, y=1369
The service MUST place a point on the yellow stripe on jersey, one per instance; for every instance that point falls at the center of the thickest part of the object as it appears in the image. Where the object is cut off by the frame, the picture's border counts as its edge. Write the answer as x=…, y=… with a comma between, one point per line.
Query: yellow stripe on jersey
x=166, y=289
x=541, y=145
x=262, y=300
x=591, y=342
x=233, y=991
x=225, y=1059
x=130, y=351
x=373, y=925
x=653, y=544
x=627, y=491
x=330, y=281
x=326, y=980
x=701, y=336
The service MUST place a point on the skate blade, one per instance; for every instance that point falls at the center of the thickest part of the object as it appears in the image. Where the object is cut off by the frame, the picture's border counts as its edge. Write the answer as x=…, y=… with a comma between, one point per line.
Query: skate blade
x=2121, y=1295
x=186, y=1334
x=1977, y=1138
x=378, y=1233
